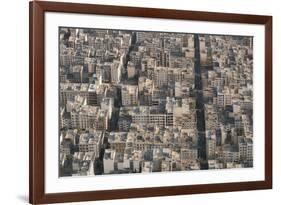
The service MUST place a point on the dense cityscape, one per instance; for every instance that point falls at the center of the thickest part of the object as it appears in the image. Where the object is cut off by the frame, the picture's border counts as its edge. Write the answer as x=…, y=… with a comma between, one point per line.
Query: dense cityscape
x=140, y=102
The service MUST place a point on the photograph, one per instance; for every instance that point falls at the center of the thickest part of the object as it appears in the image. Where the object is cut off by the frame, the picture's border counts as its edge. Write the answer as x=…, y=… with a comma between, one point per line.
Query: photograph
x=121, y=102
x=134, y=102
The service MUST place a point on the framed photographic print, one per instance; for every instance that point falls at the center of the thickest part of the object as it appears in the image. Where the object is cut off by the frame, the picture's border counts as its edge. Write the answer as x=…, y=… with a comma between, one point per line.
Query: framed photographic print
x=140, y=102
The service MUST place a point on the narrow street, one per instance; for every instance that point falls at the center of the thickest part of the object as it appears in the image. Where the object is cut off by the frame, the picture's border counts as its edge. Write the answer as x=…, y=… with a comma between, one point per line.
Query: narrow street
x=200, y=114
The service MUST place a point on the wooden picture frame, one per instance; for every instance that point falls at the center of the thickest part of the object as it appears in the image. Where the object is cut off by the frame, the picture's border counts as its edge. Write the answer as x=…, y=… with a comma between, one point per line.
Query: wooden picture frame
x=37, y=98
